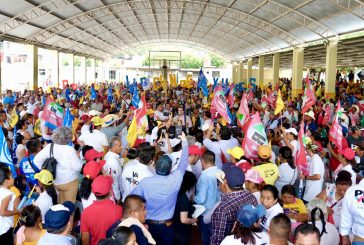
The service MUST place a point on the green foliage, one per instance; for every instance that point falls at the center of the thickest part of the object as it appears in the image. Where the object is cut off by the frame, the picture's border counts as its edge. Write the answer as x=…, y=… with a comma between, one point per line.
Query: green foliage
x=65, y=62
x=217, y=61
x=146, y=62
x=191, y=62
x=77, y=61
x=88, y=62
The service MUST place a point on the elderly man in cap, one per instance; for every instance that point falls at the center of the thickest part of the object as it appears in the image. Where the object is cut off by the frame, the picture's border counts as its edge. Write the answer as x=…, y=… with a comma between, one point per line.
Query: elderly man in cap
x=101, y=214
x=58, y=225
x=114, y=130
x=231, y=181
x=161, y=192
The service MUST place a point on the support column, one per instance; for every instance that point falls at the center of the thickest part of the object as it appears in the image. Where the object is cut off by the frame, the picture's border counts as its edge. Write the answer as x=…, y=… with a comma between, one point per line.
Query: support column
x=241, y=71
x=261, y=72
x=297, y=71
x=331, y=63
x=235, y=72
x=85, y=70
x=275, y=69
x=73, y=69
x=57, y=64
x=93, y=71
x=35, y=68
x=249, y=71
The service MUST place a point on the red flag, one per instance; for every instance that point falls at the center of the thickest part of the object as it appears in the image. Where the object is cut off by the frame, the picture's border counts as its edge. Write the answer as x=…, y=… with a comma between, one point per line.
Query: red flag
x=361, y=105
x=336, y=133
x=254, y=137
x=327, y=115
x=300, y=152
x=309, y=98
x=243, y=113
x=250, y=95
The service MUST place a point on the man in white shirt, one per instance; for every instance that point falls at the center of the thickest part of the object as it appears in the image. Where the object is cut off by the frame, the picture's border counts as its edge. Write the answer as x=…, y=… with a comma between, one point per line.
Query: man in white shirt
x=220, y=147
x=113, y=165
x=159, y=114
x=181, y=117
x=138, y=169
x=352, y=215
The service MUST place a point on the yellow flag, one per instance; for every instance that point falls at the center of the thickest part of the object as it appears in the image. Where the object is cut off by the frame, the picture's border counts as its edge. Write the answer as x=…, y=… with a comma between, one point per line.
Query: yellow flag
x=279, y=103
x=37, y=129
x=132, y=133
x=13, y=118
x=74, y=127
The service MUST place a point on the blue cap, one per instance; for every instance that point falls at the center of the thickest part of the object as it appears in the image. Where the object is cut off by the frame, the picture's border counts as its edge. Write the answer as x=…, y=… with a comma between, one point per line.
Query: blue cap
x=163, y=165
x=235, y=177
x=248, y=214
x=57, y=216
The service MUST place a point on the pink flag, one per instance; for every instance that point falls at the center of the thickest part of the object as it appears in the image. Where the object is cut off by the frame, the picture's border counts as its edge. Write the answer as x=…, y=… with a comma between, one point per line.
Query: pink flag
x=243, y=113
x=231, y=97
x=255, y=136
x=219, y=104
x=336, y=133
x=327, y=115
x=309, y=98
x=53, y=114
x=300, y=152
x=250, y=95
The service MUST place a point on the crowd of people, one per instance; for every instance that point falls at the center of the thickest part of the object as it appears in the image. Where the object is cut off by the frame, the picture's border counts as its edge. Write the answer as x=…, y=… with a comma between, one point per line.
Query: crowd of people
x=187, y=179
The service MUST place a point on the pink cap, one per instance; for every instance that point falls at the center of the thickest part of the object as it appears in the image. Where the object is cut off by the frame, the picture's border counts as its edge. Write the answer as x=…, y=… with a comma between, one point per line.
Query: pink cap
x=253, y=176
x=348, y=153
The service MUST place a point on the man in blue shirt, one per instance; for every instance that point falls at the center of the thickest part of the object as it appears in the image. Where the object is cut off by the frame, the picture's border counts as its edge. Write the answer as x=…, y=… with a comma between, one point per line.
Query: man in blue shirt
x=10, y=98
x=207, y=193
x=160, y=192
x=26, y=165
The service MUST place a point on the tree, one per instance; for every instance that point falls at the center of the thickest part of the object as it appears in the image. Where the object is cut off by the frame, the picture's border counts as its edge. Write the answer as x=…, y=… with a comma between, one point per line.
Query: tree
x=88, y=62
x=191, y=62
x=146, y=62
x=217, y=61
x=77, y=61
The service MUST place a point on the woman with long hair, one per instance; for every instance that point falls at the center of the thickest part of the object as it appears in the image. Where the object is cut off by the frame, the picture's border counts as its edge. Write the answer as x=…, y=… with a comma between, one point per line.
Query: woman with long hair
x=91, y=170
x=30, y=232
x=287, y=169
x=247, y=228
x=333, y=196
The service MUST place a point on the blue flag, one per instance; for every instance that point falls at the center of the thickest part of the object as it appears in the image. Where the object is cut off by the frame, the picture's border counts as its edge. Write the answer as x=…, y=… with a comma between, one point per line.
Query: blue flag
x=67, y=93
x=93, y=93
x=202, y=83
x=109, y=95
x=68, y=119
x=216, y=80
x=5, y=156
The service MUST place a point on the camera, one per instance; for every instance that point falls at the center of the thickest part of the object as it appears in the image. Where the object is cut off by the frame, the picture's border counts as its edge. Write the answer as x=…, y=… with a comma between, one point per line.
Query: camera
x=166, y=114
x=178, y=130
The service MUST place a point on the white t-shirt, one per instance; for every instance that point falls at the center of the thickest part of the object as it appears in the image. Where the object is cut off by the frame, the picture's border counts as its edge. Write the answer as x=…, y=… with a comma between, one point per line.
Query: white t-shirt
x=314, y=187
x=44, y=203
x=257, y=196
x=69, y=164
x=331, y=237
x=18, y=150
x=133, y=173
x=85, y=128
x=220, y=146
x=160, y=116
x=6, y=222
x=89, y=201
x=260, y=239
x=113, y=167
x=287, y=176
x=96, y=139
x=270, y=214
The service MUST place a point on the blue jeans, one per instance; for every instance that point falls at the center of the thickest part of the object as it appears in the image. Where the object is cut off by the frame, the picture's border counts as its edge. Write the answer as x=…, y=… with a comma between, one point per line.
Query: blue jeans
x=205, y=230
x=162, y=234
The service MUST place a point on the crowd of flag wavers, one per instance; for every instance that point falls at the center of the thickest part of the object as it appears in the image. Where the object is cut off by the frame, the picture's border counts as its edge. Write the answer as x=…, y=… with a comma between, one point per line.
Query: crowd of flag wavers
x=221, y=163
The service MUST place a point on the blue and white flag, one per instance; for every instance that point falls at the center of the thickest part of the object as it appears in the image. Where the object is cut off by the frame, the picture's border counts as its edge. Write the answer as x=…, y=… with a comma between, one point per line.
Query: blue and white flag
x=110, y=97
x=68, y=119
x=135, y=99
x=145, y=83
x=14, y=146
x=5, y=156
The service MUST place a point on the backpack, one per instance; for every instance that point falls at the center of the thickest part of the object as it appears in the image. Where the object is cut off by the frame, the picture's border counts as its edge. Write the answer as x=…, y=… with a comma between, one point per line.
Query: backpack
x=50, y=163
